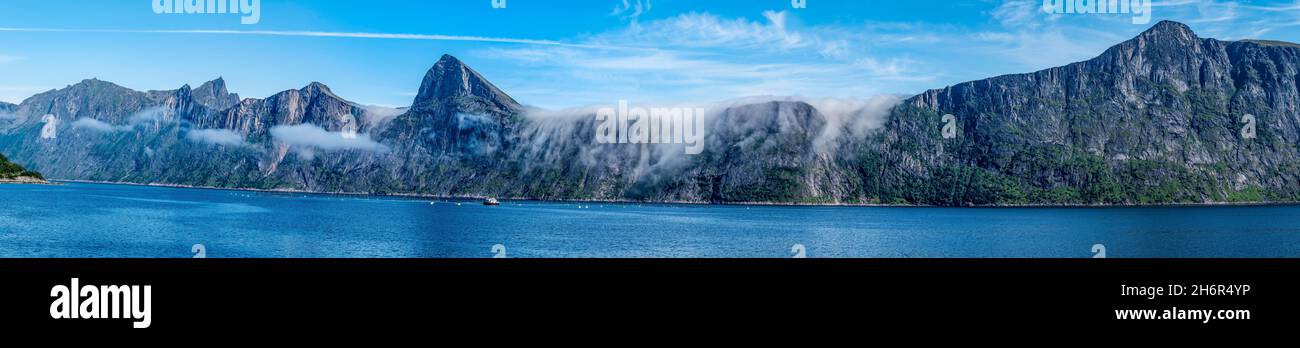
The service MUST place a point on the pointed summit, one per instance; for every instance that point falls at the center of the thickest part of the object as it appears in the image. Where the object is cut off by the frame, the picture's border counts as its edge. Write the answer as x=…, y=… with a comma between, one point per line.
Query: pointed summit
x=1167, y=46
x=1169, y=31
x=451, y=81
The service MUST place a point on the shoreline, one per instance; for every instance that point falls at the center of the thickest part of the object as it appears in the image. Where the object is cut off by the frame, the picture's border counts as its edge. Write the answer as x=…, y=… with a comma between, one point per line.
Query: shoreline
x=610, y=201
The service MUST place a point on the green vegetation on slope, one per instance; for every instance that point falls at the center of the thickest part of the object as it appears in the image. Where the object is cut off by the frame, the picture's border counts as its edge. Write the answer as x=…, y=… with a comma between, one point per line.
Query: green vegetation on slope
x=9, y=170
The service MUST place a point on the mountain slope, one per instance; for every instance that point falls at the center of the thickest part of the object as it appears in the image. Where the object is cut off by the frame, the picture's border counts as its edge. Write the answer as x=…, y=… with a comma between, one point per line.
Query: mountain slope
x=10, y=172
x=1157, y=119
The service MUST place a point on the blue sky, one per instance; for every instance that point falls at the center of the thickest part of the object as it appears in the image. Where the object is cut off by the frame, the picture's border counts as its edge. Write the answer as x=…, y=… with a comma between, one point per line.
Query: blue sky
x=557, y=54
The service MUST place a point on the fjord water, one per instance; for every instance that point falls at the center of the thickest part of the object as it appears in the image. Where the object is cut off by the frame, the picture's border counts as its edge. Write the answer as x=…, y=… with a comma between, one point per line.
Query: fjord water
x=93, y=220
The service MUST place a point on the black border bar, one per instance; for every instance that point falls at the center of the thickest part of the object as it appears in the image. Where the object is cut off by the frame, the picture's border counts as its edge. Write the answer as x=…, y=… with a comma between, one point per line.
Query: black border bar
x=201, y=295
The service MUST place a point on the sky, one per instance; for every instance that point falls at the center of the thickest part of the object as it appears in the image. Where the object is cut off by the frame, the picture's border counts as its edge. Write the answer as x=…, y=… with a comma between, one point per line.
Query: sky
x=560, y=54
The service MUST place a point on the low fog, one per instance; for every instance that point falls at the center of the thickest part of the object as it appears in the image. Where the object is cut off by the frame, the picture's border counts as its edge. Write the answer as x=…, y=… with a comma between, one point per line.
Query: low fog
x=153, y=116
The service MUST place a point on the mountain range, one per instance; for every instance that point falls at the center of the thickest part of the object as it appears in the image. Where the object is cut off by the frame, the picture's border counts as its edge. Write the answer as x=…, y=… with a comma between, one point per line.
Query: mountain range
x=1166, y=117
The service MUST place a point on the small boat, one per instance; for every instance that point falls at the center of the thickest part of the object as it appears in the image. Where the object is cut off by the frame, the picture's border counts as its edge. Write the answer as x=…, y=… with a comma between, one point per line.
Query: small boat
x=491, y=202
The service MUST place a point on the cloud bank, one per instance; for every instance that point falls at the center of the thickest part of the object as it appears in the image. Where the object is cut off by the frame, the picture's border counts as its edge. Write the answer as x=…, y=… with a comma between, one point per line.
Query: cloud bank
x=152, y=115
x=223, y=137
x=312, y=136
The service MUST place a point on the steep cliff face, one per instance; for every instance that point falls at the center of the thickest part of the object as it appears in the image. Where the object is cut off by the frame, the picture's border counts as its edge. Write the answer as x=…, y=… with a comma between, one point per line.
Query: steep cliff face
x=1156, y=119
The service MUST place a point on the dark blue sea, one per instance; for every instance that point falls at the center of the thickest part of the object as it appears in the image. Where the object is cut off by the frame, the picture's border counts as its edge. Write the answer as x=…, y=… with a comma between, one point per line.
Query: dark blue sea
x=77, y=220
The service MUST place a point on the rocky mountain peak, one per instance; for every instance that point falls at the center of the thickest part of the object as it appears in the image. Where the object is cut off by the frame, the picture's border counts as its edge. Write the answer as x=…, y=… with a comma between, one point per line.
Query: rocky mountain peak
x=317, y=88
x=452, y=82
x=1171, y=30
x=1167, y=38
x=314, y=92
x=214, y=95
x=215, y=86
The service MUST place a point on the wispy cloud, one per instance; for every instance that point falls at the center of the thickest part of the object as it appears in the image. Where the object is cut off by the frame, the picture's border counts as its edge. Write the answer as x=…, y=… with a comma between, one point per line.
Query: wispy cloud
x=631, y=9
x=704, y=30
x=698, y=57
x=1022, y=13
x=1230, y=19
x=1237, y=19
x=151, y=115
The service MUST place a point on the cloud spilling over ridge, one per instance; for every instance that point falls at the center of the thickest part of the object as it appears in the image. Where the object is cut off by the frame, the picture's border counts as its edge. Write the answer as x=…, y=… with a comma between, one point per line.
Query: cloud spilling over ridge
x=312, y=136
x=224, y=137
x=554, y=134
x=375, y=115
x=857, y=115
x=854, y=115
